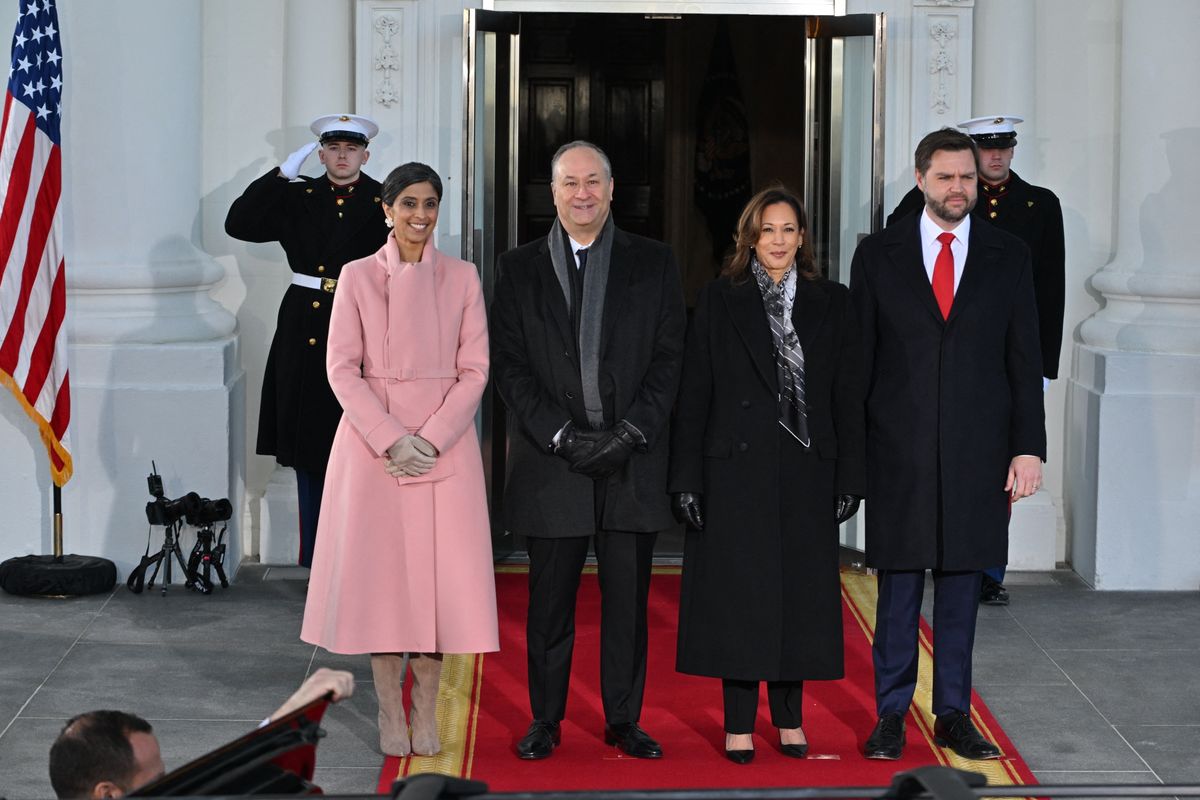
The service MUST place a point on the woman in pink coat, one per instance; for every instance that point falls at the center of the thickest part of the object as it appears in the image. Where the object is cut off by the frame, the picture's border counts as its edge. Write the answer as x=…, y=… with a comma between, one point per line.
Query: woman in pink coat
x=404, y=560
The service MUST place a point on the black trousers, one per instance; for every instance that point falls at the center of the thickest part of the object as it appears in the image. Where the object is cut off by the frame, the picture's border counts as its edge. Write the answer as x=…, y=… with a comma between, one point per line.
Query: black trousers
x=624, y=560
x=897, y=625
x=785, y=699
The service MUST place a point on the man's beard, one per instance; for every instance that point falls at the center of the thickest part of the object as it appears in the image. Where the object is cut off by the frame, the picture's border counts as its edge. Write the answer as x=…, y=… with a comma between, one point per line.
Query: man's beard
x=943, y=211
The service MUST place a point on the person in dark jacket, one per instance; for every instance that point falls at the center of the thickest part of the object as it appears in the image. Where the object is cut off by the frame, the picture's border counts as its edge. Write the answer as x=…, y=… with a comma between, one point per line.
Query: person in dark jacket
x=1033, y=214
x=767, y=457
x=321, y=223
x=587, y=328
x=955, y=430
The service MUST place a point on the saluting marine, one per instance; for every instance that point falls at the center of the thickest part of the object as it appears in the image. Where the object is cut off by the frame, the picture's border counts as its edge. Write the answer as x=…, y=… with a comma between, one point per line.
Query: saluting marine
x=321, y=223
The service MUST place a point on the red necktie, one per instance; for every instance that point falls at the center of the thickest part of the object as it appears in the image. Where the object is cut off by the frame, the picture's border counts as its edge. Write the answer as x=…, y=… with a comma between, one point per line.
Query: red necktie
x=943, y=275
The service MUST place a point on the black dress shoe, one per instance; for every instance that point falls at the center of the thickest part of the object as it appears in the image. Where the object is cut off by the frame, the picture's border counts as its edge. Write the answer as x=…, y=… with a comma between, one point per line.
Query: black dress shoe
x=992, y=592
x=740, y=756
x=794, y=750
x=540, y=740
x=886, y=742
x=957, y=732
x=632, y=740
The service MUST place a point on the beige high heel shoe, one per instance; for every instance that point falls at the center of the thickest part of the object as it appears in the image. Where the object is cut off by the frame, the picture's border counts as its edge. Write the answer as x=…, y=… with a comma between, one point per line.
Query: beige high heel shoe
x=427, y=676
x=388, y=671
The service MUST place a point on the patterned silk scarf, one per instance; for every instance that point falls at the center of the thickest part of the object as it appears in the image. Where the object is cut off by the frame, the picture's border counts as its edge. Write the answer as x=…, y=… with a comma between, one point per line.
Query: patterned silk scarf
x=789, y=356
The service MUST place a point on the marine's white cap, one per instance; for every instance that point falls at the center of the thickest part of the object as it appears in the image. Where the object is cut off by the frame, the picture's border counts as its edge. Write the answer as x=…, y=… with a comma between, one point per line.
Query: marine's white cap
x=995, y=133
x=344, y=127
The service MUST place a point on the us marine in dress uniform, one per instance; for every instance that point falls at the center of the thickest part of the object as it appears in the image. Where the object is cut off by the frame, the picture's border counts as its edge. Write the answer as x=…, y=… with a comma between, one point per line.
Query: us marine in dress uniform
x=321, y=223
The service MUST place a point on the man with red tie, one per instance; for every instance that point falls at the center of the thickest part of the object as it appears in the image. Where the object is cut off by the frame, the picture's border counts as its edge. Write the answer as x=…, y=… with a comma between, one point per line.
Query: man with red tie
x=955, y=429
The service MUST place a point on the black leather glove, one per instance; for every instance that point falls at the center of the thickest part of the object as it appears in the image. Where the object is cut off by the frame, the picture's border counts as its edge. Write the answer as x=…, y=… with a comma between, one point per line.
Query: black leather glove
x=613, y=449
x=686, y=506
x=847, y=506
x=574, y=444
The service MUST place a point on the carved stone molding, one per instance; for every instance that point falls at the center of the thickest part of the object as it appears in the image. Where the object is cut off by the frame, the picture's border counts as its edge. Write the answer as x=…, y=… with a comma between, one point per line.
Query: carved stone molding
x=942, y=33
x=386, y=60
x=945, y=3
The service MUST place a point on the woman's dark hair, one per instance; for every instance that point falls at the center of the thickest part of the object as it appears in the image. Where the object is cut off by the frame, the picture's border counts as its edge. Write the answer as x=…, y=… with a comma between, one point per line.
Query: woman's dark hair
x=94, y=747
x=749, y=229
x=406, y=175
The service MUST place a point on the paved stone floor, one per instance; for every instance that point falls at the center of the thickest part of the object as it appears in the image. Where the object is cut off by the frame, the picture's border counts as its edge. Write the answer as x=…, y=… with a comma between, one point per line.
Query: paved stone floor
x=1092, y=686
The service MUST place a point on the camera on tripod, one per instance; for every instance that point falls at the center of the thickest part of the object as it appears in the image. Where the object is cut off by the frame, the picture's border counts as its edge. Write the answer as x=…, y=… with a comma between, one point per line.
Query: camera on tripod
x=200, y=512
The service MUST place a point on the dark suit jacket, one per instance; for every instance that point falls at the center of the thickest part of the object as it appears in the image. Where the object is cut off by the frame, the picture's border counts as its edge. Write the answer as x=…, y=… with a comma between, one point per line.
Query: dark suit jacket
x=949, y=402
x=536, y=370
x=299, y=414
x=1034, y=215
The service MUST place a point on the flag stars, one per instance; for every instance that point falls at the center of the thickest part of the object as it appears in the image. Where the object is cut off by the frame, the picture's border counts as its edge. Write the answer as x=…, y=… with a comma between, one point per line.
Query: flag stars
x=56, y=83
x=23, y=65
x=53, y=57
x=42, y=112
x=20, y=40
x=37, y=35
x=50, y=31
x=29, y=90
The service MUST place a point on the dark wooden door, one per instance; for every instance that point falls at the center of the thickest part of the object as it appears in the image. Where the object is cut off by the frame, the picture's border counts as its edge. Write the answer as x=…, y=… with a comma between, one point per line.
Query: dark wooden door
x=598, y=77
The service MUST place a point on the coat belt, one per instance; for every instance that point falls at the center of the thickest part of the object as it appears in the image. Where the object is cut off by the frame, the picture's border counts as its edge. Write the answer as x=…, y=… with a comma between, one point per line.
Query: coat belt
x=409, y=373
x=313, y=282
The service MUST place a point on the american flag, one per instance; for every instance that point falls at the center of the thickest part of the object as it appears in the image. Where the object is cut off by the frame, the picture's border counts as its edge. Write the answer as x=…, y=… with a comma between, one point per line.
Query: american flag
x=33, y=295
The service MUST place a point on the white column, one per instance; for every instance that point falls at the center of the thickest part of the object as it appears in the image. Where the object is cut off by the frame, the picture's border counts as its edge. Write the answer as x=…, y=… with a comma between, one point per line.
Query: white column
x=1135, y=401
x=154, y=365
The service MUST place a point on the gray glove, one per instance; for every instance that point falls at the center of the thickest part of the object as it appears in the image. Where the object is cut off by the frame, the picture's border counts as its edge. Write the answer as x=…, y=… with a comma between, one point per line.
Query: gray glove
x=290, y=168
x=410, y=456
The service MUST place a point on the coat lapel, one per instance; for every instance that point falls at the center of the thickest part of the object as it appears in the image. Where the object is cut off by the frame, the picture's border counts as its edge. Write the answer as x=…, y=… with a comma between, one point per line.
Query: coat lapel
x=749, y=318
x=982, y=252
x=552, y=291
x=620, y=271
x=808, y=311
x=903, y=244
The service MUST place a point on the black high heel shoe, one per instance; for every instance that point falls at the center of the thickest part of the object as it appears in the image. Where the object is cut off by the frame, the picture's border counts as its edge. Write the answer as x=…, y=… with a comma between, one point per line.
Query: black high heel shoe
x=793, y=750
x=739, y=756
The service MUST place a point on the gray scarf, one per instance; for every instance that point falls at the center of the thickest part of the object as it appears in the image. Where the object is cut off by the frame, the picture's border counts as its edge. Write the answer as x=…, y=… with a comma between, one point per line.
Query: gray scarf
x=595, y=283
x=789, y=355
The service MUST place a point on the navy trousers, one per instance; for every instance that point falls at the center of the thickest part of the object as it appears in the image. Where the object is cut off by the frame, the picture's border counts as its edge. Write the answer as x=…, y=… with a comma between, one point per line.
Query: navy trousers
x=309, y=488
x=895, y=650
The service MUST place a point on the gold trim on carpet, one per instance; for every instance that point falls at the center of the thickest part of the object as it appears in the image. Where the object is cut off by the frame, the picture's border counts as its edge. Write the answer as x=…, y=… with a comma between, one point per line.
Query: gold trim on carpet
x=457, y=712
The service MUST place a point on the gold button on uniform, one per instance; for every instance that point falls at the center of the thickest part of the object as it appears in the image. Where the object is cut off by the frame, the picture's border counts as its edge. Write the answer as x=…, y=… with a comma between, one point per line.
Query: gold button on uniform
x=995, y=202
x=339, y=215
x=312, y=341
x=316, y=303
x=341, y=202
x=320, y=268
x=992, y=215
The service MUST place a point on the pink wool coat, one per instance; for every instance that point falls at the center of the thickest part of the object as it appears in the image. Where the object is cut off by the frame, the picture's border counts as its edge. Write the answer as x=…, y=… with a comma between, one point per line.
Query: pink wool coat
x=405, y=564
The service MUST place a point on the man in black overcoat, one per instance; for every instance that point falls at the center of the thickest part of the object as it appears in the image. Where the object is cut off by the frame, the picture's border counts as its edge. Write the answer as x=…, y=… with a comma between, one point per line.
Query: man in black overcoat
x=321, y=223
x=1034, y=214
x=587, y=330
x=955, y=430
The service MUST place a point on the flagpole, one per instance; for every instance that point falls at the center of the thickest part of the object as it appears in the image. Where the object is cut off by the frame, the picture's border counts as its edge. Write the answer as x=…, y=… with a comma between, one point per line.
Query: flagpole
x=58, y=524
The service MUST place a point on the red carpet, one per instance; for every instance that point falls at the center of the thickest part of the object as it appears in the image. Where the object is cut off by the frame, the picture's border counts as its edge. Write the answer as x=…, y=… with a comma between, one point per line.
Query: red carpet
x=484, y=709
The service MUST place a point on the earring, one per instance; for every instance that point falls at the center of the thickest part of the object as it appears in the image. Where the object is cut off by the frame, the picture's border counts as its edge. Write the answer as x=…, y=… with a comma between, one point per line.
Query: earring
x=388, y=221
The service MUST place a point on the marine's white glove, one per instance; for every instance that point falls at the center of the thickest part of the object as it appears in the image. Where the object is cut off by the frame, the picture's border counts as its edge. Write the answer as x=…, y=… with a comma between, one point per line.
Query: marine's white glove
x=290, y=168
x=1045, y=385
x=410, y=456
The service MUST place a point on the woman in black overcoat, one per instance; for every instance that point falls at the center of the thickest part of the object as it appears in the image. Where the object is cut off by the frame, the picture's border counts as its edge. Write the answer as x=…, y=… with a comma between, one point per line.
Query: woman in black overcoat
x=767, y=458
